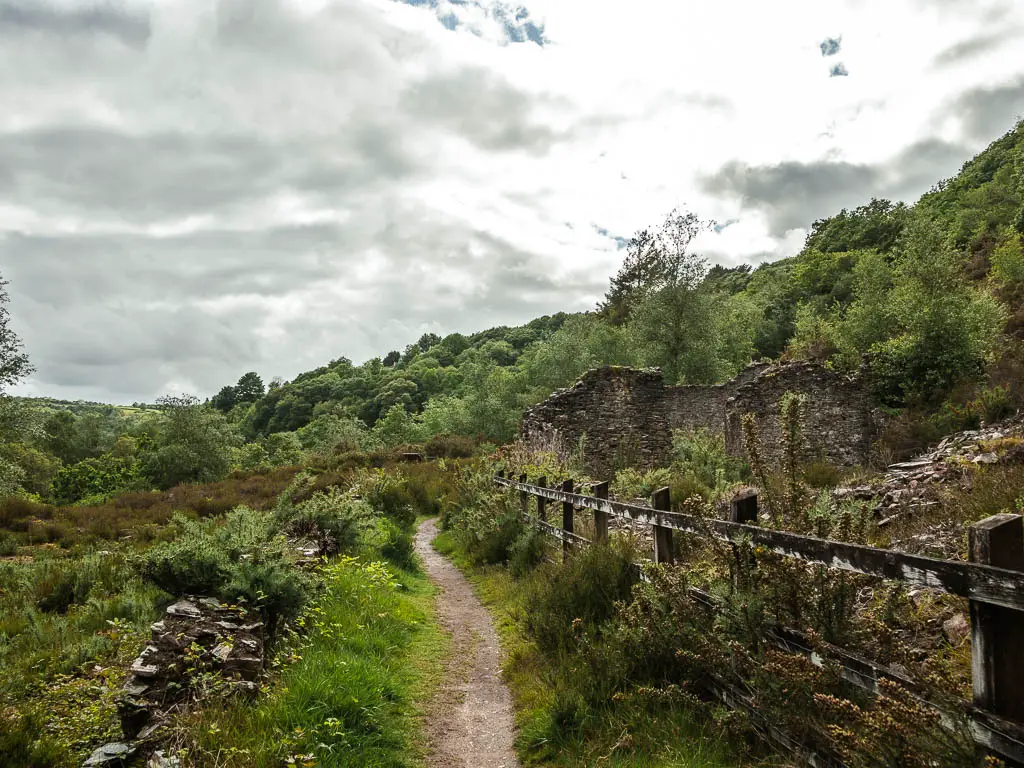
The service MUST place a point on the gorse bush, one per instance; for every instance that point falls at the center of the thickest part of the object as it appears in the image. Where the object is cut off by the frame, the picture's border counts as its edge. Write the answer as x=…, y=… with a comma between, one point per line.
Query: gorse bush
x=396, y=545
x=333, y=519
x=242, y=559
x=579, y=596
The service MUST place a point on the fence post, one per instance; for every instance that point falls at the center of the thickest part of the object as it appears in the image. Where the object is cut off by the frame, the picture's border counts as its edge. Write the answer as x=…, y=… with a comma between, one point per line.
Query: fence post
x=567, y=518
x=600, y=491
x=524, y=499
x=743, y=510
x=661, y=500
x=542, y=503
x=997, y=633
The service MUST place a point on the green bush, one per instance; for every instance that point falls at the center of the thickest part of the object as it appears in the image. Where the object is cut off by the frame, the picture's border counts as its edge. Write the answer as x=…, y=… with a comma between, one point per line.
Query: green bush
x=388, y=492
x=8, y=544
x=579, y=596
x=243, y=558
x=397, y=545
x=632, y=483
x=24, y=744
x=450, y=447
x=527, y=552
x=333, y=519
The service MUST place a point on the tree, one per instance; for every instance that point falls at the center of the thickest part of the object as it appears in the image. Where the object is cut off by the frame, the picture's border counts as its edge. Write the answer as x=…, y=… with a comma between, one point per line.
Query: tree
x=392, y=358
x=17, y=423
x=193, y=446
x=671, y=317
x=14, y=363
x=945, y=329
x=225, y=400
x=249, y=388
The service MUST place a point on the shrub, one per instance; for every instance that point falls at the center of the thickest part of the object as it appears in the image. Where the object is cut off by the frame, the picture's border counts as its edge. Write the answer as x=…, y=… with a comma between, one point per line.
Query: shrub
x=387, y=492
x=527, y=552
x=632, y=483
x=397, y=545
x=450, y=447
x=333, y=519
x=579, y=596
x=8, y=544
x=241, y=559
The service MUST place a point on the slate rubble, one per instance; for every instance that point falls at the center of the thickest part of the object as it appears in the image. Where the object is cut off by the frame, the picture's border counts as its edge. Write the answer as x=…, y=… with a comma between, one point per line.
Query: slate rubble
x=914, y=485
x=196, y=635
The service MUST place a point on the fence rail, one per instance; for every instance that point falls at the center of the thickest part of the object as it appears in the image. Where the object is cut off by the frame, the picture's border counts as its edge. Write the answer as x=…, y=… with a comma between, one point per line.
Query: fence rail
x=993, y=582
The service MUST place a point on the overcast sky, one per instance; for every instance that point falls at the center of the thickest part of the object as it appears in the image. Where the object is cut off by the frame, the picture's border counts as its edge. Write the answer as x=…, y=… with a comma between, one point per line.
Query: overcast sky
x=193, y=189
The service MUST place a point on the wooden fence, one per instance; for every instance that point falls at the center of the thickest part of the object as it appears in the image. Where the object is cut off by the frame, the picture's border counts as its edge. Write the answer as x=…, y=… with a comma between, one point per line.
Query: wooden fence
x=992, y=582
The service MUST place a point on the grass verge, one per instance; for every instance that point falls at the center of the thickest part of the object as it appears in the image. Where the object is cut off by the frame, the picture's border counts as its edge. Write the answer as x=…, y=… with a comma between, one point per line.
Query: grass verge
x=351, y=682
x=631, y=732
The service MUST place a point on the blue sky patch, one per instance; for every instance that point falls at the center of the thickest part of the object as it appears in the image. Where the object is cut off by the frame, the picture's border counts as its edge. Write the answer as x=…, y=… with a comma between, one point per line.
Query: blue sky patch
x=514, y=19
x=830, y=46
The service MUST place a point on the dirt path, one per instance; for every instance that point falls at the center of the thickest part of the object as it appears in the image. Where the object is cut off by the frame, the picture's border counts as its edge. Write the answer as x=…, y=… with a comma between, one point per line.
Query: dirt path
x=470, y=722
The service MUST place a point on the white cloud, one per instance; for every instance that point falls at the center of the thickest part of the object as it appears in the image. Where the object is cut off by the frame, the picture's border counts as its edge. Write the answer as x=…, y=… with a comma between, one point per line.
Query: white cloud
x=189, y=190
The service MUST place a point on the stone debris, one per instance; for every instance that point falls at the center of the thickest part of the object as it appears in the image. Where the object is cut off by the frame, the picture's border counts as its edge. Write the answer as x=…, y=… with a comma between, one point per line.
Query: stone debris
x=913, y=485
x=196, y=636
x=112, y=755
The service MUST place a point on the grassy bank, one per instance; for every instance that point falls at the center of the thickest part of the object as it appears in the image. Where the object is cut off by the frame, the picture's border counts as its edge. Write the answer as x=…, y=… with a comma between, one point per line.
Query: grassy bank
x=556, y=727
x=350, y=688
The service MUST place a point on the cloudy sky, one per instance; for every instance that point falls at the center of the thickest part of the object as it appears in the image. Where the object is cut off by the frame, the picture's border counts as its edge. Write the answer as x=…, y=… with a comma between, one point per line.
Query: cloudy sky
x=191, y=189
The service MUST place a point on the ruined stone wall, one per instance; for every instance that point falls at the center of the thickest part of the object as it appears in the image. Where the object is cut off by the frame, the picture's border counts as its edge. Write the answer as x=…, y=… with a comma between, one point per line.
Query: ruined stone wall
x=837, y=423
x=626, y=416
x=618, y=411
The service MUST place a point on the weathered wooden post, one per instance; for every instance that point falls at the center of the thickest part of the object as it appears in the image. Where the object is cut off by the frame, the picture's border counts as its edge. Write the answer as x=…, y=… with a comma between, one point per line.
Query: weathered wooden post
x=743, y=509
x=997, y=633
x=524, y=499
x=542, y=503
x=661, y=501
x=567, y=519
x=600, y=491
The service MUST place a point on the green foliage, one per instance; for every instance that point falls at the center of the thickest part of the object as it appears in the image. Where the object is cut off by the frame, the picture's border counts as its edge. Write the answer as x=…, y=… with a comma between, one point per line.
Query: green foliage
x=364, y=653
x=946, y=330
x=630, y=483
x=334, y=519
x=243, y=559
x=94, y=478
x=194, y=444
x=396, y=545
x=700, y=456
x=575, y=599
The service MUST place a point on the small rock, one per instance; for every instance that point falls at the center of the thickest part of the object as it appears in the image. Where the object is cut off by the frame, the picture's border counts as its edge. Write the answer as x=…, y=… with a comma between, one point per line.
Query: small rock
x=985, y=458
x=956, y=629
x=110, y=755
x=184, y=608
x=160, y=760
x=142, y=669
x=222, y=652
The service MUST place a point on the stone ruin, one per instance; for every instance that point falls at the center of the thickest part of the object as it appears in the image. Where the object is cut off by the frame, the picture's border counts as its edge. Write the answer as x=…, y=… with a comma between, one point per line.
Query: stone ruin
x=197, y=635
x=625, y=416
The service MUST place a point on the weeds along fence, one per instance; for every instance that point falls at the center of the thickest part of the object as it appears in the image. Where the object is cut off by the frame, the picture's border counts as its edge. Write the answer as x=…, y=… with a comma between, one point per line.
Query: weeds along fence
x=992, y=581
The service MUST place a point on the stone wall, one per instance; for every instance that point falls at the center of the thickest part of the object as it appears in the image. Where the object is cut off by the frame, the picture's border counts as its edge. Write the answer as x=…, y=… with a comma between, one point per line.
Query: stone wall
x=618, y=412
x=625, y=416
x=837, y=424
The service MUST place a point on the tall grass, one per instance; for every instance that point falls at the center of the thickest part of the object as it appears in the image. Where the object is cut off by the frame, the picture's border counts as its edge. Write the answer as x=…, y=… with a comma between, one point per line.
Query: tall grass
x=352, y=678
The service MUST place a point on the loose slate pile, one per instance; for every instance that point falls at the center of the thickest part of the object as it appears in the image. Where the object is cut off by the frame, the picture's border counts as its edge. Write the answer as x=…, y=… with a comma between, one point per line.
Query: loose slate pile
x=197, y=636
x=913, y=485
